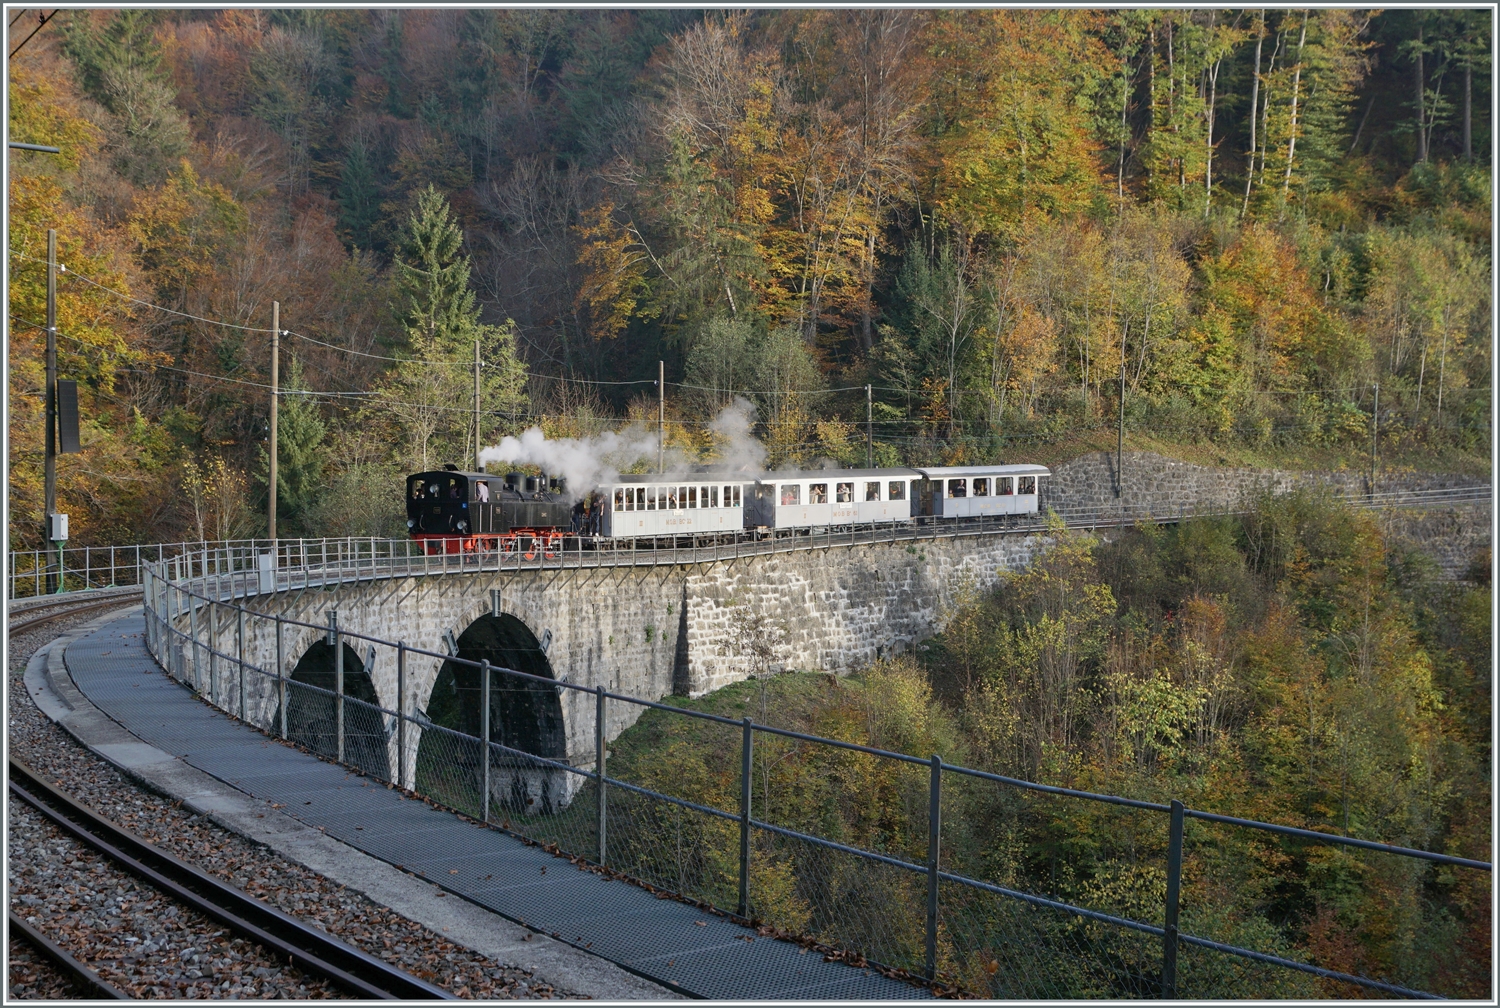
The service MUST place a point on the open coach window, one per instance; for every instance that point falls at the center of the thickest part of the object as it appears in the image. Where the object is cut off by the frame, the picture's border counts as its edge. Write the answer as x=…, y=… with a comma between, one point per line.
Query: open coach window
x=958, y=488
x=1028, y=485
x=982, y=487
x=817, y=493
x=898, y=490
x=845, y=493
x=872, y=491
x=791, y=493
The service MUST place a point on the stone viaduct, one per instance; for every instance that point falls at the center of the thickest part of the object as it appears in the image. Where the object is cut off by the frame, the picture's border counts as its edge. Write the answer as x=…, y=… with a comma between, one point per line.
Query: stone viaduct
x=689, y=628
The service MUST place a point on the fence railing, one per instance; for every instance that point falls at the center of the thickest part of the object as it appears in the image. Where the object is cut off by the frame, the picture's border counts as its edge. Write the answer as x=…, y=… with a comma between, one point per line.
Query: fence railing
x=79, y=568
x=911, y=895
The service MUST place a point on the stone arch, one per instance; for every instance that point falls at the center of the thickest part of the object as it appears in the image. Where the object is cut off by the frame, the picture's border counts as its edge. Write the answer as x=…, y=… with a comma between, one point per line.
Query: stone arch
x=525, y=715
x=312, y=715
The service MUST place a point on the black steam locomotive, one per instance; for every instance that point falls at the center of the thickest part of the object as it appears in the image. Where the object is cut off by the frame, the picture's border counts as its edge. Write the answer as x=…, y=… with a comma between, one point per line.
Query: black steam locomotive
x=460, y=512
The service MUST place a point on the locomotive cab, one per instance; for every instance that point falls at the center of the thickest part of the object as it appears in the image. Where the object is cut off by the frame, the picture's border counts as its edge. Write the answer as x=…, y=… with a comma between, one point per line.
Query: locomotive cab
x=437, y=503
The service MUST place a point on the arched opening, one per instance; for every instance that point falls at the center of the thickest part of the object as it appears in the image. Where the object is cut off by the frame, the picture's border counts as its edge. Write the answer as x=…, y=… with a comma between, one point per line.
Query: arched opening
x=525, y=715
x=312, y=715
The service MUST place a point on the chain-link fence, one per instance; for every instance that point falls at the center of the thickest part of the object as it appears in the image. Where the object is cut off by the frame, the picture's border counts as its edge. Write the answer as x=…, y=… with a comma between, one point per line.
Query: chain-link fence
x=937, y=877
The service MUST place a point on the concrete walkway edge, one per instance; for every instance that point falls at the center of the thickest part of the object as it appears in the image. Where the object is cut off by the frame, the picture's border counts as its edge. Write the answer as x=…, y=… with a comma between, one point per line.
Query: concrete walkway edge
x=554, y=962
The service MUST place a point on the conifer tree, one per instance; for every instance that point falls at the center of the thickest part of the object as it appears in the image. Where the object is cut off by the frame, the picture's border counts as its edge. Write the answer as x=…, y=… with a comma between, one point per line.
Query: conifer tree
x=431, y=390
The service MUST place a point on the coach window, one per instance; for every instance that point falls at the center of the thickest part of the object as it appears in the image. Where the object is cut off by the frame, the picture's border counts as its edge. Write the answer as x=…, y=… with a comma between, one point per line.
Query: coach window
x=958, y=488
x=897, y=490
x=1028, y=485
x=650, y=498
x=1003, y=486
x=620, y=500
x=817, y=493
x=845, y=493
x=791, y=493
x=982, y=487
x=872, y=491
x=736, y=496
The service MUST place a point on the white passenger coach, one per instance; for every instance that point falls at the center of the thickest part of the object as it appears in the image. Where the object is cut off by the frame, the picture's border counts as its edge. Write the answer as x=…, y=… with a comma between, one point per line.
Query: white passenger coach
x=966, y=491
x=672, y=504
x=819, y=497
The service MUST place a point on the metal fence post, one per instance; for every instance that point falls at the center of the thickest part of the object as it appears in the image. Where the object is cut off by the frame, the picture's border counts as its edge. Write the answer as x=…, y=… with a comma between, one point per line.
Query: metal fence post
x=240, y=634
x=934, y=830
x=599, y=770
x=213, y=652
x=401, y=714
x=337, y=640
x=484, y=729
x=1174, y=885
x=193, y=629
x=745, y=754
x=281, y=677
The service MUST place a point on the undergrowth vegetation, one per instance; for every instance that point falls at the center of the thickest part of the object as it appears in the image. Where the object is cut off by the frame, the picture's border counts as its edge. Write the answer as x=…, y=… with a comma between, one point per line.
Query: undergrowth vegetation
x=1287, y=666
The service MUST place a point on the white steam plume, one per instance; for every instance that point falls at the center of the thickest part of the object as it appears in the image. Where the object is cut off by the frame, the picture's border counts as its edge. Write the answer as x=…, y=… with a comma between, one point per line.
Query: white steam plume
x=735, y=447
x=588, y=462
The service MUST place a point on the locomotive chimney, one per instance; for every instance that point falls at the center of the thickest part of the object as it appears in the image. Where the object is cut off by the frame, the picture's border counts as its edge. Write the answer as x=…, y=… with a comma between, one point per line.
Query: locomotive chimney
x=513, y=481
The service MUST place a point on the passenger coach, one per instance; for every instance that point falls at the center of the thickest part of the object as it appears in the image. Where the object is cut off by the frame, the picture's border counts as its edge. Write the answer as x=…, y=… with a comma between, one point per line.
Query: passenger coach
x=966, y=491
x=814, y=498
x=672, y=504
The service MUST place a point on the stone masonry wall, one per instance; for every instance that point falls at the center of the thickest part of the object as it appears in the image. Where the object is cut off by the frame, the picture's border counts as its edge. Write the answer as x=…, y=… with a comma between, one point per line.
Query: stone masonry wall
x=650, y=631
x=1166, y=486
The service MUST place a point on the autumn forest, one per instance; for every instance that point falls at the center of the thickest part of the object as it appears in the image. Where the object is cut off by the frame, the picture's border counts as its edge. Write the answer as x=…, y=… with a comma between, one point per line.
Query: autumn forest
x=1023, y=231
x=1004, y=222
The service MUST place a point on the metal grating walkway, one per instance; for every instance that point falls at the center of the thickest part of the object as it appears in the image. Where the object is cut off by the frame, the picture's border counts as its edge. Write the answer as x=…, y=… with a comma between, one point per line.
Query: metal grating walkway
x=661, y=939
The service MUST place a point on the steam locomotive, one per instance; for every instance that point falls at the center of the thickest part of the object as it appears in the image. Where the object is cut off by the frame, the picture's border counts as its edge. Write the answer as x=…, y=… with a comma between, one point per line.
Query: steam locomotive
x=450, y=511
x=458, y=512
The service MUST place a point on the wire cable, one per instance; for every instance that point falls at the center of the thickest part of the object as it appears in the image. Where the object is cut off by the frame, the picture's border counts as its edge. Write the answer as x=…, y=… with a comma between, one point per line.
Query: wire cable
x=28, y=38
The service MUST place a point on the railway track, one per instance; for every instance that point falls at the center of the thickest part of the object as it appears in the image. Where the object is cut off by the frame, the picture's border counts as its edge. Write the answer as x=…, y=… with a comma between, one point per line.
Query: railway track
x=64, y=606
x=311, y=950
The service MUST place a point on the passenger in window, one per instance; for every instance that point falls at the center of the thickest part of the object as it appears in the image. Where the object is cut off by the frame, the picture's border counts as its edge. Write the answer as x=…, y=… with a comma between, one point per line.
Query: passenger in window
x=897, y=490
x=872, y=491
x=791, y=493
x=482, y=488
x=1003, y=486
x=845, y=492
x=1028, y=485
x=620, y=504
x=982, y=487
x=817, y=493
x=958, y=488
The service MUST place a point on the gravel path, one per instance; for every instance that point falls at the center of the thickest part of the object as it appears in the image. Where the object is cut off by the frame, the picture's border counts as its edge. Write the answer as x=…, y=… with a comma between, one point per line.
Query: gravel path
x=104, y=908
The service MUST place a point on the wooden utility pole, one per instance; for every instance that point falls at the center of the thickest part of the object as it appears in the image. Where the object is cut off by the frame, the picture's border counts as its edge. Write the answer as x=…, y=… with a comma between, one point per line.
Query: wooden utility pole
x=275, y=392
x=1374, y=437
x=661, y=416
x=476, y=405
x=869, y=429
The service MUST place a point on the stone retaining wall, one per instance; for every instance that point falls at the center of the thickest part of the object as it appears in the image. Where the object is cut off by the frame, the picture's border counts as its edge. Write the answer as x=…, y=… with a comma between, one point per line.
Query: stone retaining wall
x=1167, y=486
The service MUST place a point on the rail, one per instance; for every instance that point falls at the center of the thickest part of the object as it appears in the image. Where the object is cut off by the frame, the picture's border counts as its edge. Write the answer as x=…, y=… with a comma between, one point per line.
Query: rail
x=82, y=568
x=311, y=949
x=923, y=914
